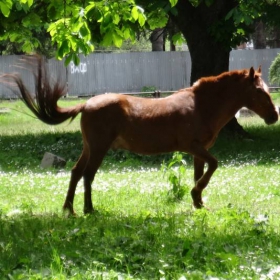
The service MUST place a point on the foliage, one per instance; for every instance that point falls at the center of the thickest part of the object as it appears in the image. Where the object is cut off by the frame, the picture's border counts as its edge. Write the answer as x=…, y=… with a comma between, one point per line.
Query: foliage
x=148, y=89
x=115, y=24
x=74, y=26
x=13, y=11
x=274, y=71
x=176, y=176
x=77, y=26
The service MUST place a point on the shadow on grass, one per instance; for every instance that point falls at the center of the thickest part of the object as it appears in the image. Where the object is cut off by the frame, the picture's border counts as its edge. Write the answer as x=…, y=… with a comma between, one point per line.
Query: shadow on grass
x=262, y=147
x=27, y=150
x=193, y=244
x=18, y=151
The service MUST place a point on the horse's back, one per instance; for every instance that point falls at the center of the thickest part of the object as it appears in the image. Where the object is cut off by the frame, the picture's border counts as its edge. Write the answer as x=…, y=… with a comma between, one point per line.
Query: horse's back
x=142, y=125
x=139, y=106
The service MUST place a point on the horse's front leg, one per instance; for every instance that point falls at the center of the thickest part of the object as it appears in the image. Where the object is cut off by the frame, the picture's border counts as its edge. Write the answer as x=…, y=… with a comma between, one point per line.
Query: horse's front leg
x=88, y=206
x=201, y=155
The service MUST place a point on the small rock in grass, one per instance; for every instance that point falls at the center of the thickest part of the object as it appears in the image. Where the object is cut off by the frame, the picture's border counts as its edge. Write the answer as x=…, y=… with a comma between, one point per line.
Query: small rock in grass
x=51, y=160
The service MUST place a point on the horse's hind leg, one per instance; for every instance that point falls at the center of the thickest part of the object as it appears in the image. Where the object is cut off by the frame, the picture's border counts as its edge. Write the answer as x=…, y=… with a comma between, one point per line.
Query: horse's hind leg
x=198, y=168
x=201, y=155
x=94, y=162
x=76, y=175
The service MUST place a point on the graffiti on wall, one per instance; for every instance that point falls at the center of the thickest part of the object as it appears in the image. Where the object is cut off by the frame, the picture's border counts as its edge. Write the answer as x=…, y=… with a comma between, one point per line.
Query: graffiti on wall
x=81, y=68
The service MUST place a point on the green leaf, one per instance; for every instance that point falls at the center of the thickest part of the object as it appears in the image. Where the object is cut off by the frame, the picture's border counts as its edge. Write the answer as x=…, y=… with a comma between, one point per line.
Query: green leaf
x=135, y=13
x=116, y=19
x=182, y=170
x=27, y=47
x=30, y=3
x=178, y=38
x=89, y=7
x=31, y=20
x=8, y=3
x=117, y=40
x=68, y=59
x=126, y=33
x=173, y=179
x=14, y=37
x=240, y=31
x=5, y=9
x=157, y=19
x=107, y=39
x=73, y=43
x=63, y=49
x=171, y=164
x=84, y=31
x=229, y=15
x=76, y=59
x=173, y=2
x=141, y=19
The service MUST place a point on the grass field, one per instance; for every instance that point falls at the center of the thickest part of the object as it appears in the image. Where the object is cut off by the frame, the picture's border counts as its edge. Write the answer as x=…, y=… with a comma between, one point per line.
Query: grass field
x=137, y=232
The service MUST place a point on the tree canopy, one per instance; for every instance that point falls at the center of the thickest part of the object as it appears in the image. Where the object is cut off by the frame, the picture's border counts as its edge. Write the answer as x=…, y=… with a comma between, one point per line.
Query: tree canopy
x=76, y=26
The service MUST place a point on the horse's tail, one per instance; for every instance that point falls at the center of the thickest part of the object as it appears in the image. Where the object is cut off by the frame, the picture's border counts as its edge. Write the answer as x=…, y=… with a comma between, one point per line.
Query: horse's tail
x=43, y=103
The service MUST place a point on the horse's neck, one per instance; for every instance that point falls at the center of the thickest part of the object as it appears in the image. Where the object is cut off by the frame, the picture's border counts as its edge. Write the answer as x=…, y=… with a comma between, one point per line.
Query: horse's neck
x=232, y=100
x=221, y=101
x=227, y=93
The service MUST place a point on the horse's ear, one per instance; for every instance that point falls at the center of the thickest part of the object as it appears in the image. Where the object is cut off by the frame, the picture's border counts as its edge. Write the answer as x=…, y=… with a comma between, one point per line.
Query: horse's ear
x=259, y=69
x=252, y=73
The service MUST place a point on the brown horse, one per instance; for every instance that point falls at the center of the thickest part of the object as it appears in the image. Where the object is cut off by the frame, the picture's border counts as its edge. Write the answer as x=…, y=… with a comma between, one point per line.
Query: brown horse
x=187, y=121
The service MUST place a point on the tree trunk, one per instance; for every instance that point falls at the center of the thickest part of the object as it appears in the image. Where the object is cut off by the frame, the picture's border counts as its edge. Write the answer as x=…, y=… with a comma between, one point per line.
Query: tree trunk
x=209, y=56
x=171, y=30
x=276, y=33
x=259, y=39
x=157, y=39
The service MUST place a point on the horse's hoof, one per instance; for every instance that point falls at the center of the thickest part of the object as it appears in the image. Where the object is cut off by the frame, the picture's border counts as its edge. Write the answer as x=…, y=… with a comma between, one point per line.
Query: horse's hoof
x=69, y=212
x=198, y=205
x=201, y=206
x=89, y=211
x=197, y=201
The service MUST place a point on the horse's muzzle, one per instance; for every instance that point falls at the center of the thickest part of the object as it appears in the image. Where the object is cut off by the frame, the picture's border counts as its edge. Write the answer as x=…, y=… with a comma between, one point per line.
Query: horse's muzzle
x=273, y=118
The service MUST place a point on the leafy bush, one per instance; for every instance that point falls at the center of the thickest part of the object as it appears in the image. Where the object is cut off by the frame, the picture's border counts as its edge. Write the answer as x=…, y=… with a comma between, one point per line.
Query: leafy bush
x=148, y=88
x=274, y=71
x=176, y=176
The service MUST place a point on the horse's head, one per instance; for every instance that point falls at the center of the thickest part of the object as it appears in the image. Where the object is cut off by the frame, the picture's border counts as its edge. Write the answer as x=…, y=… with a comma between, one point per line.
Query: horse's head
x=259, y=99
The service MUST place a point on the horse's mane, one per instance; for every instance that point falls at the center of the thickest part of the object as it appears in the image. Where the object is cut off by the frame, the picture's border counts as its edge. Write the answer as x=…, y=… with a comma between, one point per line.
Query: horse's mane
x=224, y=76
x=230, y=76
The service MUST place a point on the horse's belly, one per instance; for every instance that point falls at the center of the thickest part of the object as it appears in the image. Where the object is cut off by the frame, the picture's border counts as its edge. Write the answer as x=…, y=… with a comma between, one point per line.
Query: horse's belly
x=145, y=145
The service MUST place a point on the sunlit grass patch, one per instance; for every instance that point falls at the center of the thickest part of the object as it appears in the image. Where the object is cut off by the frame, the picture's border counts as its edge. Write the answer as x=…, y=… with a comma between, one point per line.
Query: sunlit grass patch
x=20, y=121
x=136, y=232
x=276, y=97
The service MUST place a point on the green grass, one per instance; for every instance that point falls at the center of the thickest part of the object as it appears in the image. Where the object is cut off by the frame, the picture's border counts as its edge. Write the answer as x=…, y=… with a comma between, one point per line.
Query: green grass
x=136, y=232
x=276, y=97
